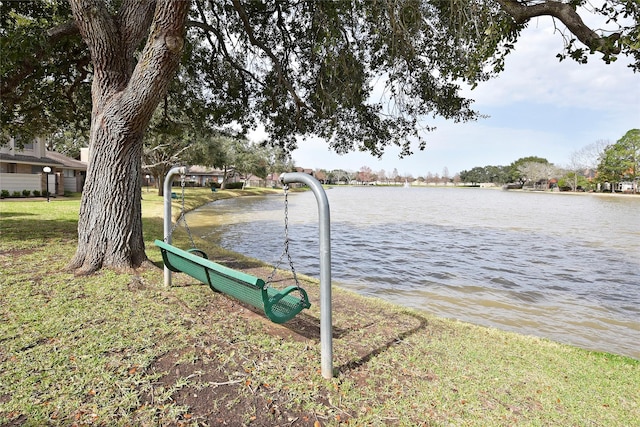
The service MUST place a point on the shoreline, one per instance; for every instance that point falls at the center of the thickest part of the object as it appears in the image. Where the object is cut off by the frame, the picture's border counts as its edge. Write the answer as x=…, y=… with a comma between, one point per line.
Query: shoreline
x=593, y=345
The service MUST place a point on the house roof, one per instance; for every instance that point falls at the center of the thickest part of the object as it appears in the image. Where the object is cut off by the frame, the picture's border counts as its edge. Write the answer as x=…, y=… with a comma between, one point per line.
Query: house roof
x=20, y=158
x=66, y=161
x=202, y=170
x=51, y=158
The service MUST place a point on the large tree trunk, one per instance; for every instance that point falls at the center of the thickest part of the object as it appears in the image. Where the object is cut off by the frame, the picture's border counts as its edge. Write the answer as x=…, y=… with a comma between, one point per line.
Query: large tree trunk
x=110, y=222
x=124, y=95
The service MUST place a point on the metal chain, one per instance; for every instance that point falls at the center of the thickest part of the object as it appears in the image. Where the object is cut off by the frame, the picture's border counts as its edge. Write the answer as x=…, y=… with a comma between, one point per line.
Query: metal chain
x=182, y=214
x=286, y=236
x=175, y=224
x=285, y=251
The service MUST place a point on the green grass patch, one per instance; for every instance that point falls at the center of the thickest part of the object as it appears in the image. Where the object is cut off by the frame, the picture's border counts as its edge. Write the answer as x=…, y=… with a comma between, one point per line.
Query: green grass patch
x=121, y=349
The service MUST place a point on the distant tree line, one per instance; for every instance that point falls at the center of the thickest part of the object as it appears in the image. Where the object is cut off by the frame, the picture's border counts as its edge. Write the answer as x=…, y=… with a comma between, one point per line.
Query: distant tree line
x=598, y=165
x=601, y=163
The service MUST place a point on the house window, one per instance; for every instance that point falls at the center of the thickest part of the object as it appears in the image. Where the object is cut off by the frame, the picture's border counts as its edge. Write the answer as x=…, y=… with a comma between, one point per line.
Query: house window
x=68, y=173
x=12, y=168
x=29, y=146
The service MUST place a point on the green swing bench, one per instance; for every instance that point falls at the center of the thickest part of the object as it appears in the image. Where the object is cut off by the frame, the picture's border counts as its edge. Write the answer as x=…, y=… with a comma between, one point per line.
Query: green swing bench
x=279, y=306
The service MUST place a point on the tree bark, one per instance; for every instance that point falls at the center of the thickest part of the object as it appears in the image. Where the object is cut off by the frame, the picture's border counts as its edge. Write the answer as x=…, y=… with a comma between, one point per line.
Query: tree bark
x=124, y=95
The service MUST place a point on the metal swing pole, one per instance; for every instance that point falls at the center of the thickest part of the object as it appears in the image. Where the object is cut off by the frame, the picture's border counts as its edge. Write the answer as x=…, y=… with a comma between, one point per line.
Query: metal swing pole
x=168, y=183
x=326, y=332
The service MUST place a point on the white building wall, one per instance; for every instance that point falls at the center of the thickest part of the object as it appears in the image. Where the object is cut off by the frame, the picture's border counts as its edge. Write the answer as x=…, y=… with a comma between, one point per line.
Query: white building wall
x=22, y=181
x=71, y=183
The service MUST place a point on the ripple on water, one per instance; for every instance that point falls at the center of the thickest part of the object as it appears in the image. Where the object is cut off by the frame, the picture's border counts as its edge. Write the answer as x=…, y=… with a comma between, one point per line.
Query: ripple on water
x=505, y=283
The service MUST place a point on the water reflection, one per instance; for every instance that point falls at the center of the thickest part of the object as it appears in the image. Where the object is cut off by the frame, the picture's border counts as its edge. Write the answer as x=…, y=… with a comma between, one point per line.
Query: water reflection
x=559, y=266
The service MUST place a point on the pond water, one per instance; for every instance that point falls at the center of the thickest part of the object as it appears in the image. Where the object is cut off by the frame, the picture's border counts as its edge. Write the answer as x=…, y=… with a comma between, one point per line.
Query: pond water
x=560, y=266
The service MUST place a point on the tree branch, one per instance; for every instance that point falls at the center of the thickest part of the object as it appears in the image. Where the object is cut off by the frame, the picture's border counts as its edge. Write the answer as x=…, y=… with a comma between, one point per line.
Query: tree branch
x=206, y=28
x=276, y=63
x=134, y=18
x=65, y=29
x=567, y=14
x=158, y=60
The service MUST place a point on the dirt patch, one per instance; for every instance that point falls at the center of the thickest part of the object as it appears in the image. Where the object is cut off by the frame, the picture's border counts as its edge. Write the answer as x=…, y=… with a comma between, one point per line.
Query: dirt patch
x=16, y=252
x=218, y=378
x=220, y=395
x=216, y=384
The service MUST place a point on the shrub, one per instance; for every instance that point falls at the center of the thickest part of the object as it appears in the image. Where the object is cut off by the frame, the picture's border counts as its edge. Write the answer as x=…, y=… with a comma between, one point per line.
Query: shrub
x=26, y=193
x=36, y=193
x=4, y=193
x=16, y=194
x=234, y=186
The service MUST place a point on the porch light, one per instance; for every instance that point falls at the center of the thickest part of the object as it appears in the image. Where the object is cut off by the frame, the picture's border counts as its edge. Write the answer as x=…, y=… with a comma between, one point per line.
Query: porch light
x=47, y=170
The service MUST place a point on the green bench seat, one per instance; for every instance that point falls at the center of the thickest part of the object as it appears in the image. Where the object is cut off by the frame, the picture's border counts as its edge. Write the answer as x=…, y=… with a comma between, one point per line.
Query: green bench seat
x=279, y=305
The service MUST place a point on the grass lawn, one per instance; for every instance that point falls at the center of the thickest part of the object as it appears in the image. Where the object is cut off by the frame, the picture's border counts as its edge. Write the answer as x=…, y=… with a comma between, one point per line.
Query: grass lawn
x=122, y=350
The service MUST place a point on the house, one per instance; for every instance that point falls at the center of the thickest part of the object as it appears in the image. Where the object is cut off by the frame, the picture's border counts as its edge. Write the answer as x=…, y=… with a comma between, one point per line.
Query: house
x=201, y=176
x=22, y=169
x=626, y=187
x=273, y=179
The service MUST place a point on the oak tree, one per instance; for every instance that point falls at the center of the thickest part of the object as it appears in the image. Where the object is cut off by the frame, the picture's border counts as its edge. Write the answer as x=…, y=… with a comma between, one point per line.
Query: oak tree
x=621, y=161
x=362, y=75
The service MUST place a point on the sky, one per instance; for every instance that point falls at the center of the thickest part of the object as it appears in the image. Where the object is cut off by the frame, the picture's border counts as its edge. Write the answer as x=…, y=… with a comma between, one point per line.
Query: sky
x=538, y=106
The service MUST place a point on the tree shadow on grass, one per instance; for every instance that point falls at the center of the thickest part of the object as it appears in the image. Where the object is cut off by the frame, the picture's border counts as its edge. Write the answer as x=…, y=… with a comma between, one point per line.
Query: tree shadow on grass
x=391, y=328
x=394, y=339
x=14, y=214
x=30, y=229
x=308, y=326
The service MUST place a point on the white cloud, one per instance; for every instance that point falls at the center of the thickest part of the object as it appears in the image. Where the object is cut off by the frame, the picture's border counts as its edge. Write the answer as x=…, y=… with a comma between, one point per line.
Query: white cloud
x=534, y=74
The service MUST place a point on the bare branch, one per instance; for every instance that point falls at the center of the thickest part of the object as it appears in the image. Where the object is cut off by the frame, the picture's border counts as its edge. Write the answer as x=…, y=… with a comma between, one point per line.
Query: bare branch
x=276, y=63
x=208, y=28
x=65, y=29
x=567, y=14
